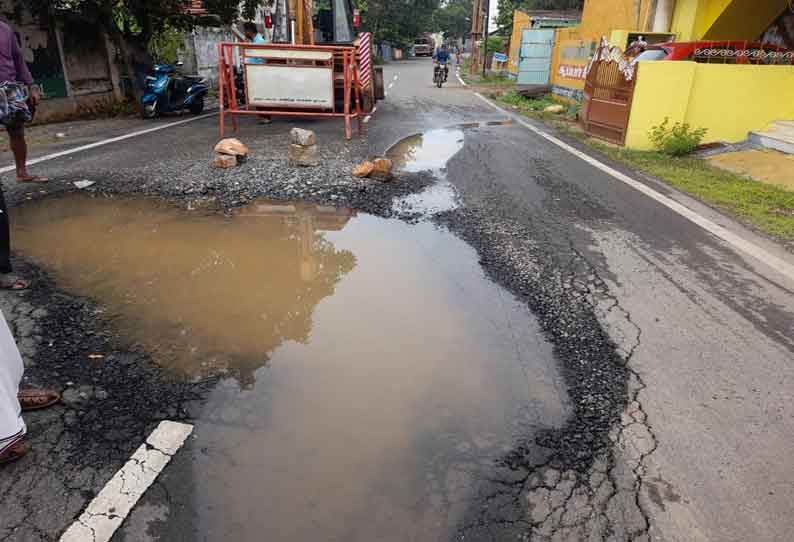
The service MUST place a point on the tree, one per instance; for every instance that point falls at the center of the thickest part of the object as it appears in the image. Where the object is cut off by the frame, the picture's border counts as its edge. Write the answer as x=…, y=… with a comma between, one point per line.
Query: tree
x=397, y=21
x=453, y=18
x=131, y=24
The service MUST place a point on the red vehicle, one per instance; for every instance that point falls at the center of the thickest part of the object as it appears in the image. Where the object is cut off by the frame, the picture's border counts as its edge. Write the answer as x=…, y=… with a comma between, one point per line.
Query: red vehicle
x=719, y=52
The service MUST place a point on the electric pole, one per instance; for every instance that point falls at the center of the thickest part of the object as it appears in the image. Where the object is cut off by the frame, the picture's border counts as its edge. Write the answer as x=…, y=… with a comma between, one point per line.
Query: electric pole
x=485, y=36
x=476, y=35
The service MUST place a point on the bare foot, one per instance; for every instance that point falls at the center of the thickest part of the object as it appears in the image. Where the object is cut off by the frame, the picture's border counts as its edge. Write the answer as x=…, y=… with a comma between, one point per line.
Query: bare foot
x=9, y=281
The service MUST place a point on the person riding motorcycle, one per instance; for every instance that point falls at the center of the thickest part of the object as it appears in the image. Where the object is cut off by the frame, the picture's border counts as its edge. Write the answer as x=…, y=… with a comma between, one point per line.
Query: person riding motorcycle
x=442, y=56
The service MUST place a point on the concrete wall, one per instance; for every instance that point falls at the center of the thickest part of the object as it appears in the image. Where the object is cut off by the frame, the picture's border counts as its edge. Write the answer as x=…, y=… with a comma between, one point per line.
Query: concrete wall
x=728, y=100
x=201, y=50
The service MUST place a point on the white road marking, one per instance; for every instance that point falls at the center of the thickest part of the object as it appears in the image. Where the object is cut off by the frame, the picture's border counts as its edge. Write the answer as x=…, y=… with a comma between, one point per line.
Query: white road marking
x=81, y=148
x=391, y=85
x=110, y=507
x=462, y=82
x=396, y=76
x=780, y=265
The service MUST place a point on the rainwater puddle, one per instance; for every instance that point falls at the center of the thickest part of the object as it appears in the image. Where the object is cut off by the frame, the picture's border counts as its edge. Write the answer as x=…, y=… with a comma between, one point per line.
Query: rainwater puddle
x=374, y=375
x=429, y=151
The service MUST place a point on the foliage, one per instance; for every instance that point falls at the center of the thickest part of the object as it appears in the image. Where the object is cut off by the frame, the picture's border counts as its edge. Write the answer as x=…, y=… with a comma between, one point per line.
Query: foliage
x=517, y=101
x=166, y=45
x=398, y=22
x=453, y=19
x=678, y=140
x=506, y=8
x=495, y=44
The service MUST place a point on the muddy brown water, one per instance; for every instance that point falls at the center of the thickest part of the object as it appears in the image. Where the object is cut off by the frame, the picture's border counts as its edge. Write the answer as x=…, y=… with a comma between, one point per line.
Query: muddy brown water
x=373, y=374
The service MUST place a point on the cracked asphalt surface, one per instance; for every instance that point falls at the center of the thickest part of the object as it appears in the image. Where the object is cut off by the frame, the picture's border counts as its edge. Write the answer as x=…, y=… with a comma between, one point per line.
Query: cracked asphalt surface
x=675, y=351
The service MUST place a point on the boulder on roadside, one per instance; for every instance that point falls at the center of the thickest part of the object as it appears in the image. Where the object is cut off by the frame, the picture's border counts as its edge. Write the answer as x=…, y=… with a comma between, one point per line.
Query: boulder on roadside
x=364, y=169
x=303, y=156
x=232, y=147
x=304, y=138
x=382, y=169
x=556, y=109
x=224, y=161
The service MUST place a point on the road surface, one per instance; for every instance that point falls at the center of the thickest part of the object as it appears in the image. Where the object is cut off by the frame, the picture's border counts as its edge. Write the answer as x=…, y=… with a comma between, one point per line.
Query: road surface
x=654, y=363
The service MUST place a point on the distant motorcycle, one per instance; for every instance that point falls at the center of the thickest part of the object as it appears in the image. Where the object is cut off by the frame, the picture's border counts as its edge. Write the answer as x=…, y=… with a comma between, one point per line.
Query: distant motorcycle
x=440, y=74
x=168, y=91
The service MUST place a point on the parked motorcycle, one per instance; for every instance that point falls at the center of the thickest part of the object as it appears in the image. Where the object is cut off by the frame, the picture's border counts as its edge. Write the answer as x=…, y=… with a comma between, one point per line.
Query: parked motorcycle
x=440, y=74
x=168, y=91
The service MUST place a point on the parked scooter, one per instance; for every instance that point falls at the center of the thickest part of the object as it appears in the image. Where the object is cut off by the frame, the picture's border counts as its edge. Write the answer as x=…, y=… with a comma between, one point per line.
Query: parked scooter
x=168, y=91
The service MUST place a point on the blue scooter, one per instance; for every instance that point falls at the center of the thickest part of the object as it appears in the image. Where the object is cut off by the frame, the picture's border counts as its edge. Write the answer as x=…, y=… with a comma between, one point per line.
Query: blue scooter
x=168, y=91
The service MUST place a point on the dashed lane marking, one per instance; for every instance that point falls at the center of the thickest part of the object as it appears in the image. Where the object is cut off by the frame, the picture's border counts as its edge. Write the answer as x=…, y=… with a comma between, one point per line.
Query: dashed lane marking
x=81, y=148
x=366, y=119
x=113, y=503
x=739, y=243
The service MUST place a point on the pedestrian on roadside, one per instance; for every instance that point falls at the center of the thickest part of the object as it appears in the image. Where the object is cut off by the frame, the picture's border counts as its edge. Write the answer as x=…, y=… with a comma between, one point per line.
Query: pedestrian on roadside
x=21, y=99
x=252, y=34
x=13, y=401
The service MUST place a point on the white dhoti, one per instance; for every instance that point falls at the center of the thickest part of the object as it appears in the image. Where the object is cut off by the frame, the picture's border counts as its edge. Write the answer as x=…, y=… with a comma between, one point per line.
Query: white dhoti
x=12, y=428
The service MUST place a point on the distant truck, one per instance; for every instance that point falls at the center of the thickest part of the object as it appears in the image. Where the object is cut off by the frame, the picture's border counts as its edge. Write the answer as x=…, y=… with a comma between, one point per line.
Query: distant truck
x=423, y=47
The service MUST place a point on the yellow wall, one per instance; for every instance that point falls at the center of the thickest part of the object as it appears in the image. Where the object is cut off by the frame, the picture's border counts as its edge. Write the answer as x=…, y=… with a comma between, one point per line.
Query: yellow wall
x=744, y=19
x=724, y=19
x=600, y=18
x=728, y=100
x=521, y=22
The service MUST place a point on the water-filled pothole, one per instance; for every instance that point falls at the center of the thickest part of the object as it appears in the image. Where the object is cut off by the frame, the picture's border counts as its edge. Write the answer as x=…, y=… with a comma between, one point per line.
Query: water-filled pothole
x=374, y=373
x=429, y=151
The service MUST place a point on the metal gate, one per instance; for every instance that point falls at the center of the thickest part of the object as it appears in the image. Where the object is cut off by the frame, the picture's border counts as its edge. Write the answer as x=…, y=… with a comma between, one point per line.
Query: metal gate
x=608, y=90
x=534, y=64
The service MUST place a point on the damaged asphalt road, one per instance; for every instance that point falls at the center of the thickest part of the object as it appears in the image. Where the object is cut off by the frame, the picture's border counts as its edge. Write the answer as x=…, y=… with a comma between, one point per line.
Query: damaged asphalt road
x=668, y=345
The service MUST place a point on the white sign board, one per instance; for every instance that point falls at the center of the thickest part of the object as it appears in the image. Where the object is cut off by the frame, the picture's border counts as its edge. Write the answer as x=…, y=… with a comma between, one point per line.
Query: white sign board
x=300, y=87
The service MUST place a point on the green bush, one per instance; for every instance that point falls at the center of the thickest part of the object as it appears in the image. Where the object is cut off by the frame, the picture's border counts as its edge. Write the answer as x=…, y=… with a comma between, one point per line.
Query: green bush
x=678, y=140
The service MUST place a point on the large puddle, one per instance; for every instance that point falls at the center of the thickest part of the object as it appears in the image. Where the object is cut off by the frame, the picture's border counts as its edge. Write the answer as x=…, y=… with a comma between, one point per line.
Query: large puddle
x=373, y=373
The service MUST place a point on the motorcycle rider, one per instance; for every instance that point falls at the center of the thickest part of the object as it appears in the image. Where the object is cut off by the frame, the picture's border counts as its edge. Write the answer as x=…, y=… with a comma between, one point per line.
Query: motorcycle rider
x=441, y=56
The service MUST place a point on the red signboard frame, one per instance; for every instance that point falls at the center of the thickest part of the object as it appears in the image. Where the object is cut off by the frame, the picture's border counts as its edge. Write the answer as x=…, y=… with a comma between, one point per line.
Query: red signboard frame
x=349, y=79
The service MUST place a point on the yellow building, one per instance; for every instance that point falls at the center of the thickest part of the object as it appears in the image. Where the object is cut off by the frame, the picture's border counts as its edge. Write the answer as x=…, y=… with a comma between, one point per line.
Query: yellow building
x=730, y=100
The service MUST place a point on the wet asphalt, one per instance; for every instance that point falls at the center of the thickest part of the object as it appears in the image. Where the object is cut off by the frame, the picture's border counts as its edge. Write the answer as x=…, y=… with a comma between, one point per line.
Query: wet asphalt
x=675, y=352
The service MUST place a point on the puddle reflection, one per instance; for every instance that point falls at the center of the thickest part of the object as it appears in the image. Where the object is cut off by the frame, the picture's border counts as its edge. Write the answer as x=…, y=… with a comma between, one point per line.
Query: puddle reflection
x=206, y=294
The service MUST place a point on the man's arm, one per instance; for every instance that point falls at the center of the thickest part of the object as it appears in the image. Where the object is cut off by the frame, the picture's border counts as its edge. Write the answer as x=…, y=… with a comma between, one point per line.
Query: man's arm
x=22, y=71
x=23, y=74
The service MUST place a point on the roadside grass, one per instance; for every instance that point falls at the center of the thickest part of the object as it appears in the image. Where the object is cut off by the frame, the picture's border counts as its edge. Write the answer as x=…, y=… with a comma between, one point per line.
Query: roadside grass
x=768, y=208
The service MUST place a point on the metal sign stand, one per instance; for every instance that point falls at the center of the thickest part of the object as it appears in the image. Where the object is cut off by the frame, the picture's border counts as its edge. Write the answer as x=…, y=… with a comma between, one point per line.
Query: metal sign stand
x=299, y=57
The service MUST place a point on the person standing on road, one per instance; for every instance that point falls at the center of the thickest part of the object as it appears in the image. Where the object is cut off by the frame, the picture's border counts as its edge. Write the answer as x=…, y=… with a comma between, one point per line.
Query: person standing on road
x=253, y=35
x=14, y=70
x=13, y=401
x=17, y=84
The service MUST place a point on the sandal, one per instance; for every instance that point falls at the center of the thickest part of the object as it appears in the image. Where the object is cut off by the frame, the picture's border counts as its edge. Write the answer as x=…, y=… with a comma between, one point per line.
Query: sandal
x=36, y=399
x=32, y=179
x=13, y=282
x=14, y=453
